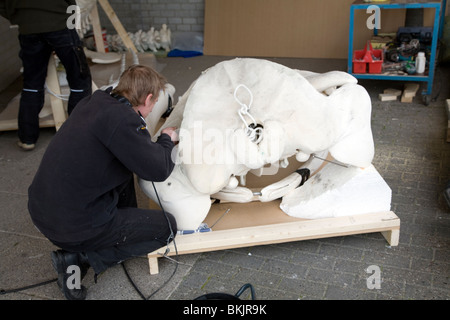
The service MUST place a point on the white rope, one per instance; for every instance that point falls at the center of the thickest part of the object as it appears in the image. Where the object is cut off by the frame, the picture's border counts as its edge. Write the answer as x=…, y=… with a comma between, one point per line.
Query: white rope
x=64, y=97
x=255, y=134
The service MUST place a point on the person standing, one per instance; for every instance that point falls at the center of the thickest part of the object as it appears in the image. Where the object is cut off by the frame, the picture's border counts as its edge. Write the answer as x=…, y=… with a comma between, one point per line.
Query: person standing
x=42, y=31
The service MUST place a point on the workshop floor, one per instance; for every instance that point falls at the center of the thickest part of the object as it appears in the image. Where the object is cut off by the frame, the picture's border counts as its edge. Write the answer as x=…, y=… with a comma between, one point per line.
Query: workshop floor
x=411, y=155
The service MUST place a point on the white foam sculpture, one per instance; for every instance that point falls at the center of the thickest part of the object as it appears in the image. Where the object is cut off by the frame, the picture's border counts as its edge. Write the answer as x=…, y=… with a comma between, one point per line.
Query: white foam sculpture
x=338, y=191
x=151, y=40
x=301, y=113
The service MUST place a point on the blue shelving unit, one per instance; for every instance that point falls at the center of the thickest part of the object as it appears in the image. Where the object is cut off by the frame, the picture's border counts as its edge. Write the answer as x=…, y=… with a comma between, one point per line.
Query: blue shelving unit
x=437, y=33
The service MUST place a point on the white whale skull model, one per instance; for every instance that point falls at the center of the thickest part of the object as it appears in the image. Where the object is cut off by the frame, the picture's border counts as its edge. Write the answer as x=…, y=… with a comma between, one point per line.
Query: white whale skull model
x=244, y=114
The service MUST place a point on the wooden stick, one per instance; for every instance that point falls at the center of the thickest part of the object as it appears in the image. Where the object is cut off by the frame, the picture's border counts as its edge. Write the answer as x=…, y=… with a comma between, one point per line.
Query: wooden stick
x=59, y=114
x=117, y=25
x=97, y=28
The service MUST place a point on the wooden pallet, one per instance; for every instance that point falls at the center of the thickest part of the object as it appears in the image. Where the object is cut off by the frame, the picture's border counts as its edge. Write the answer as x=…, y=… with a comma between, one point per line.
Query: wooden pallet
x=257, y=223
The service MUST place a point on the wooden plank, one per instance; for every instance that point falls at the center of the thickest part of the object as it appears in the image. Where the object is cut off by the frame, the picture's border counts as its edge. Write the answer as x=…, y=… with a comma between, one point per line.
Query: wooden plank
x=97, y=28
x=392, y=236
x=410, y=90
x=386, y=222
x=59, y=114
x=406, y=99
x=153, y=265
x=8, y=118
x=387, y=97
x=117, y=25
x=393, y=92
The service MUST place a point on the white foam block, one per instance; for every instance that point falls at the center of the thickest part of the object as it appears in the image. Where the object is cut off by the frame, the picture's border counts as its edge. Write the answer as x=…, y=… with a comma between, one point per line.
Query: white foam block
x=338, y=191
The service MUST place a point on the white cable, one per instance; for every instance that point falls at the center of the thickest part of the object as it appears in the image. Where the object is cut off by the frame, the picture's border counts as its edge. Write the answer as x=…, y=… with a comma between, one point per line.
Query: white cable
x=255, y=134
x=64, y=97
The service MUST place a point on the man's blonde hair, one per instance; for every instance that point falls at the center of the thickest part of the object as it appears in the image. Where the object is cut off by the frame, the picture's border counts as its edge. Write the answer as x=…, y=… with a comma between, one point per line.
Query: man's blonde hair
x=137, y=82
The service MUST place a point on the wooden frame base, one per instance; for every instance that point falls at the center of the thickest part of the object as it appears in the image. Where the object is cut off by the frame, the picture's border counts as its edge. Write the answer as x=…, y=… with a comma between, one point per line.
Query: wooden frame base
x=260, y=227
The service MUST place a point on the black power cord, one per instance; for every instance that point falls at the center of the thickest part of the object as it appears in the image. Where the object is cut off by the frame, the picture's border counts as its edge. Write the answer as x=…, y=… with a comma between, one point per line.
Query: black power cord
x=171, y=238
x=2, y=292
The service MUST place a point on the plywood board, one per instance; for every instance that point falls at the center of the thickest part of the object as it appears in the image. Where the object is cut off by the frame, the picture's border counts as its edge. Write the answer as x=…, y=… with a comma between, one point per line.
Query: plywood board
x=8, y=119
x=290, y=28
x=286, y=28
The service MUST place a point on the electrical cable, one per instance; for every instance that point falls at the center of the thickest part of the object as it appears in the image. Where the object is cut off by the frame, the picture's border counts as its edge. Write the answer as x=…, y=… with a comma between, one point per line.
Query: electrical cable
x=64, y=97
x=171, y=237
x=2, y=292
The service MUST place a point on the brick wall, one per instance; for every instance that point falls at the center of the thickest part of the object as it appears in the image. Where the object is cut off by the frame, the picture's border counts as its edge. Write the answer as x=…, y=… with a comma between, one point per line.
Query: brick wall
x=179, y=15
x=9, y=54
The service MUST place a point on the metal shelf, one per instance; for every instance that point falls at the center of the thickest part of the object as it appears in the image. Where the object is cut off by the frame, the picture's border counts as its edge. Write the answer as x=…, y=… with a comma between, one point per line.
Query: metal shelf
x=437, y=33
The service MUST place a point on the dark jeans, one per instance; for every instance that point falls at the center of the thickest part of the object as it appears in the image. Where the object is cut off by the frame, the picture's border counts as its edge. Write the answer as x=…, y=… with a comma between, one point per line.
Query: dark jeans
x=35, y=51
x=133, y=232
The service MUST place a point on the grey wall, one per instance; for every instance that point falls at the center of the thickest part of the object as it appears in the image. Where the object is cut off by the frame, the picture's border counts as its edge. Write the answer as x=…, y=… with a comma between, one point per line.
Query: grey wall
x=9, y=54
x=179, y=15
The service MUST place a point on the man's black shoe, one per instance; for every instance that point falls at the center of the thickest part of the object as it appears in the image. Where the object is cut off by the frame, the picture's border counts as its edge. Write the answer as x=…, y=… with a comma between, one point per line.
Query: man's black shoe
x=61, y=260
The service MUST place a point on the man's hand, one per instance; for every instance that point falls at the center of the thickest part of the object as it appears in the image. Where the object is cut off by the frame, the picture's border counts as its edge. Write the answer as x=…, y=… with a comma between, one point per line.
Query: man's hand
x=171, y=131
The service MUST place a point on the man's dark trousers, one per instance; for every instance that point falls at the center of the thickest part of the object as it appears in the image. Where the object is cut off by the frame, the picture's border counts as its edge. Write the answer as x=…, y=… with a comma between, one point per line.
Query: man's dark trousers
x=35, y=54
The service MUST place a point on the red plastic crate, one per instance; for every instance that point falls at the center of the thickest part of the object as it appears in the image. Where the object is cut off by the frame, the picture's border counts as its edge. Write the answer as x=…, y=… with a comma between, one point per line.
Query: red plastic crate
x=360, y=61
x=367, y=60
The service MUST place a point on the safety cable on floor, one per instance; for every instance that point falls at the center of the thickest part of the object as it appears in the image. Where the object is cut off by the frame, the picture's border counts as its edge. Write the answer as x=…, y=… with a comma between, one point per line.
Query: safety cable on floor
x=171, y=238
x=2, y=291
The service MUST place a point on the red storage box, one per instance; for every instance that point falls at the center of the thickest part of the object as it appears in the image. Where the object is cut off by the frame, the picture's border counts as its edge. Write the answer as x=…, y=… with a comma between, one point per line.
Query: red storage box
x=367, y=60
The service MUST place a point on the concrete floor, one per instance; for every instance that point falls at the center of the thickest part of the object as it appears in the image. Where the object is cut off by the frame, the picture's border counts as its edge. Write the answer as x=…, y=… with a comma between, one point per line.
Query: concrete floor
x=411, y=155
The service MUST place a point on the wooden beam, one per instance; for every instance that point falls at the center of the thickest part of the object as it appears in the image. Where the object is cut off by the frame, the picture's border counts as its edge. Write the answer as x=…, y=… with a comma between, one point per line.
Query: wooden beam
x=387, y=97
x=385, y=222
x=59, y=114
x=395, y=92
x=409, y=92
x=117, y=25
x=97, y=28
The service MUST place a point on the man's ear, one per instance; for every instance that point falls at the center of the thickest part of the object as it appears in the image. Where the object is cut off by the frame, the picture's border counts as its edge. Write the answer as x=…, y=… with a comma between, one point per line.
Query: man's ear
x=148, y=99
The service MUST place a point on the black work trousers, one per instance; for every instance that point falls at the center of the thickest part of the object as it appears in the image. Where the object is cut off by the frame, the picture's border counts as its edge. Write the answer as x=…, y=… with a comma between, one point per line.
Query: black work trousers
x=35, y=51
x=133, y=232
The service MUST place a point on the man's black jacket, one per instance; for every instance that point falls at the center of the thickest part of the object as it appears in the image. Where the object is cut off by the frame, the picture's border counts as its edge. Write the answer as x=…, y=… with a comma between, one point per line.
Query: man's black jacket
x=94, y=153
x=34, y=16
